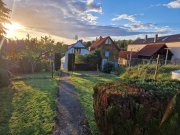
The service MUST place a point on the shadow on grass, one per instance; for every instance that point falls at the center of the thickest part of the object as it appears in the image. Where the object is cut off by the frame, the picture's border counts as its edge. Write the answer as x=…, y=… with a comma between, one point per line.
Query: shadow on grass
x=6, y=96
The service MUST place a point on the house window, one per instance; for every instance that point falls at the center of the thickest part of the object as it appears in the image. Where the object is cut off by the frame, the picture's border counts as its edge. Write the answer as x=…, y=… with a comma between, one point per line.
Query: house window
x=107, y=54
x=108, y=42
x=77, y=50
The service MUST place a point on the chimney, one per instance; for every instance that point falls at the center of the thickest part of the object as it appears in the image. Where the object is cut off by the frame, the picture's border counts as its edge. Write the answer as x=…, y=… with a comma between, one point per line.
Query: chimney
x=155, y=38
x=100, y=37
x=146, y=37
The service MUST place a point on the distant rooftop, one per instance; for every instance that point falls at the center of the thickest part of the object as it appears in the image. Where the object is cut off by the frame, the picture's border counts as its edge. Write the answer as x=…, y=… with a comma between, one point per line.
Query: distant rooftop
x=164, y=39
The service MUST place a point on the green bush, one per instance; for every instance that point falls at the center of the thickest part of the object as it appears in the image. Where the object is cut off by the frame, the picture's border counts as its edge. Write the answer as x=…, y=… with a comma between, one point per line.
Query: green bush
x=4, y=78
x=119, y=70
x=108, y=67
x=92, y=59
x=136, y=107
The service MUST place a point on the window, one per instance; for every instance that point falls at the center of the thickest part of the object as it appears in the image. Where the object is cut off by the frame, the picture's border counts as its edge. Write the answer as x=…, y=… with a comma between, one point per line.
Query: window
x=107, y=54
x=77, y=50
x=108, y=42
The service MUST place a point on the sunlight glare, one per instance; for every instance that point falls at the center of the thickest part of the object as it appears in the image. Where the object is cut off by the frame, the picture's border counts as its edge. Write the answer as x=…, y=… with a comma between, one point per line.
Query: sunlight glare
x=13, y=28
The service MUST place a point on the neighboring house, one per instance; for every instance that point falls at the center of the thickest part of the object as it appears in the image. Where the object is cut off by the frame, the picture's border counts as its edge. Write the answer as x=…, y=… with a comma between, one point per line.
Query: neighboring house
x=152, y=51
x=109, y=50
x=78, y=49
x=171, y=41
x=149, y=52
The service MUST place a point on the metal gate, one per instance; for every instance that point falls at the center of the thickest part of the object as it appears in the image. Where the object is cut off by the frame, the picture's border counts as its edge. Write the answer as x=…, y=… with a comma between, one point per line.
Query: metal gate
x=71, y=61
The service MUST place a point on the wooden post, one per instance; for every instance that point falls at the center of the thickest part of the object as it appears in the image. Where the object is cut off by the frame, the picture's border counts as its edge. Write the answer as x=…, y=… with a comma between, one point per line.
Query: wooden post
x=97, y=69
x=52, y=69
x=157, y=67
x=130, y=58
x=166, y=56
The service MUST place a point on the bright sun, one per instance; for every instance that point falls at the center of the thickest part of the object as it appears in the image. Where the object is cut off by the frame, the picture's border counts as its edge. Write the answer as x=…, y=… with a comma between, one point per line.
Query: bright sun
x=12, y=29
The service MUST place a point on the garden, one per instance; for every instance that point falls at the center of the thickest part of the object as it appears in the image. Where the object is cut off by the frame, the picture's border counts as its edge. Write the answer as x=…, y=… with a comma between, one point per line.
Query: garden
x=132, y=103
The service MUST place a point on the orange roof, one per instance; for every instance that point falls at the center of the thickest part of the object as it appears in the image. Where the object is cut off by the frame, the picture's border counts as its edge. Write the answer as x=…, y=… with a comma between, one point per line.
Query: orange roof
x=99, y=42
x=150, y=49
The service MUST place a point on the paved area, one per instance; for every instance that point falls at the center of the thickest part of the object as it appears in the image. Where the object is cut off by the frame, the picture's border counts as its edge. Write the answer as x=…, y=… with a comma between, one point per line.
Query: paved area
x=71, y=117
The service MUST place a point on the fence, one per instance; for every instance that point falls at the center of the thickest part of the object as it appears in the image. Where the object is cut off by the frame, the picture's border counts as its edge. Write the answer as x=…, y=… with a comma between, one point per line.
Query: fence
x=138, y=61
x=85, y=67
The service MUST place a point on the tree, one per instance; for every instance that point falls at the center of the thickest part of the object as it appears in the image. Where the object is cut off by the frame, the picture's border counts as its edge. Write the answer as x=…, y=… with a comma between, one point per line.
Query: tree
x=4, y=17
x=122, y=44
x=87, y=44
x=32, y=53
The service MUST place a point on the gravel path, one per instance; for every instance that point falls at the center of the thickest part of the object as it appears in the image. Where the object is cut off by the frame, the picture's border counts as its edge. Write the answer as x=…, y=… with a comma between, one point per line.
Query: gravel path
x=71, y=117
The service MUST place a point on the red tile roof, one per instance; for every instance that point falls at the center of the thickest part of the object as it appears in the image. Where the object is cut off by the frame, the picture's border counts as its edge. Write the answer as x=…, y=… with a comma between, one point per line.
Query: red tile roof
x=127, y=54
x=99, y=42
x=150, y=49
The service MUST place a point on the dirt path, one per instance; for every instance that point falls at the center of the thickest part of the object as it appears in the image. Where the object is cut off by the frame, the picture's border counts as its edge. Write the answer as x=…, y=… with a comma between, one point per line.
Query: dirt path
x=71, y=117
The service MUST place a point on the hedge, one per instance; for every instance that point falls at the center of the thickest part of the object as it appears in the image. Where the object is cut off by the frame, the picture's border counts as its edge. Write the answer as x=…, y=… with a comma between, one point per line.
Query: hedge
x=137, y=107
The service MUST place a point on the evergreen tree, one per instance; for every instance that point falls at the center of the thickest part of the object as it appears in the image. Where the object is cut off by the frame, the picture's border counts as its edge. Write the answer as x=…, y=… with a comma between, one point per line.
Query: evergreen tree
x=4, y=17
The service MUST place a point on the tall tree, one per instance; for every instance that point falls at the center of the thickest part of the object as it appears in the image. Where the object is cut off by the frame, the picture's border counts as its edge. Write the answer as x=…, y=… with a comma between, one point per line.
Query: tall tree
x=4, y=17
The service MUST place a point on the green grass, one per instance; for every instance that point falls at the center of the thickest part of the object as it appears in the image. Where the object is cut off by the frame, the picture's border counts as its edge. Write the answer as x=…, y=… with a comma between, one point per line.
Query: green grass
x=148, y=71
x=6, y=95
x=33, y=105
x=84, y=86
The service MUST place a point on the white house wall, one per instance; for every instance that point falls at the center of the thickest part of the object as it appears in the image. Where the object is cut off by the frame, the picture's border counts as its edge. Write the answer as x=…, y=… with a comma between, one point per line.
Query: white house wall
x=175, y=49
x=108, y=41
x=71, y=50
x=135, y=48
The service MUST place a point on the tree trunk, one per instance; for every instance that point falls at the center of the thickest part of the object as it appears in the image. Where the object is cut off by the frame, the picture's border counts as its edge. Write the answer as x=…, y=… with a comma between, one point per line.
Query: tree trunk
x=33, y=65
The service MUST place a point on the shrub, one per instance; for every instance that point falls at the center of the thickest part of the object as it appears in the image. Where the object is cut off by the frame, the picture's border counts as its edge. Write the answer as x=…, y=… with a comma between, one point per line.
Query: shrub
x=119, y=70
x=4, y=78
x=91, y=59
x=108, y=67
x=136, y=107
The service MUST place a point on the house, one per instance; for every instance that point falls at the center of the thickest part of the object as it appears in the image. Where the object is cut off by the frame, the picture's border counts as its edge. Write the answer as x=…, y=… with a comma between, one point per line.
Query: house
x=75, y=49
x=108, y=49
x=172, y=42
x=149, y=52
x=152, y=51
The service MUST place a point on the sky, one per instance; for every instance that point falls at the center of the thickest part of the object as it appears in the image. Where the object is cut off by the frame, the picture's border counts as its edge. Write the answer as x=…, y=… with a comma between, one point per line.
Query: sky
x=120, y=19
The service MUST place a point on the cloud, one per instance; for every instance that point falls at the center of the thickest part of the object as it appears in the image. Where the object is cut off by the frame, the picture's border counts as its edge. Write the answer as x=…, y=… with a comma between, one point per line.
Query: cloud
x=136, y=25
x=139, y=26
x=125, y=17
x=67, y=18
x=173, y=4
x=165, y=29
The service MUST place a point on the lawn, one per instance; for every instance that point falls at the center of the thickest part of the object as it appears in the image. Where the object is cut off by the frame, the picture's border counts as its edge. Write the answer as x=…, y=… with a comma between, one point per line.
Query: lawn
x=31, y=109
x=84, y=83
x=6, y=96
